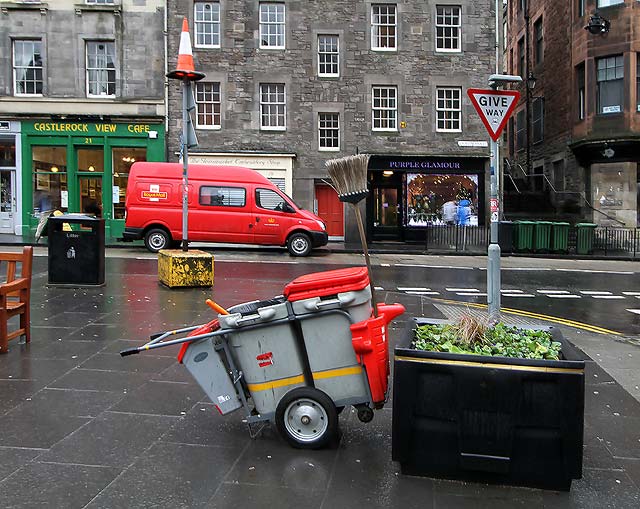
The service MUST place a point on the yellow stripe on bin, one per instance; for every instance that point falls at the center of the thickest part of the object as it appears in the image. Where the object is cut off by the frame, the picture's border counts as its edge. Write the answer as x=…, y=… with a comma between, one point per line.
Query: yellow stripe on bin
x=294, y=380
x=471, y=364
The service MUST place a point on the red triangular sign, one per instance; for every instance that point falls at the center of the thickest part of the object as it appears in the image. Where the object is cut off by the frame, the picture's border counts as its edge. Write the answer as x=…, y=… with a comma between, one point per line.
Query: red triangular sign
x=494, y=107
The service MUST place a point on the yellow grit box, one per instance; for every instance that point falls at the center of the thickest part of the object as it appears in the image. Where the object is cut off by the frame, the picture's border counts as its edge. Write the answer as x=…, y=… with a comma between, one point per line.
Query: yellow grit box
x=177, y=268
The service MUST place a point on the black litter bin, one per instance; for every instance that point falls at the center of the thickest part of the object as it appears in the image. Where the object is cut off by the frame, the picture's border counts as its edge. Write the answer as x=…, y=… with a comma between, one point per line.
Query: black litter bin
x=505, y=236
x=76, y=250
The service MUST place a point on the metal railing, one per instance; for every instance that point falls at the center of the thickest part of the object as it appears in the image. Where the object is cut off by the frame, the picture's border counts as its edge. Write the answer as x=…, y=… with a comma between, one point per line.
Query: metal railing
x=609, y=241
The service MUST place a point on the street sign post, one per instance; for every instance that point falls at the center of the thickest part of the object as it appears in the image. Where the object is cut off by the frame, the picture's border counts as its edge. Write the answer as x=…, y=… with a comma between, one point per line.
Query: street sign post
x=494, y=107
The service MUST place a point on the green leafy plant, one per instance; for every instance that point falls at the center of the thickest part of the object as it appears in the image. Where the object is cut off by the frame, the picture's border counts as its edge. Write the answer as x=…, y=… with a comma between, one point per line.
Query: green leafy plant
x=473, y=336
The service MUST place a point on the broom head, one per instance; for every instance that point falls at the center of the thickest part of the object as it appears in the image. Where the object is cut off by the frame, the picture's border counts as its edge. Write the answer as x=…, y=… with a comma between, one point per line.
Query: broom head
x=349, y=177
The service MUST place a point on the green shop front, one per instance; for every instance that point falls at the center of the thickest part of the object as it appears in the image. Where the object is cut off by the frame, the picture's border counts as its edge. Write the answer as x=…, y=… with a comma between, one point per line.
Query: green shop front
x=83, y=167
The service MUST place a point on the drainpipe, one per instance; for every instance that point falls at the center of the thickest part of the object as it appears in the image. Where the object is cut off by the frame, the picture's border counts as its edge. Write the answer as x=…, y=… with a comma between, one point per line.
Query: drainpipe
x=526, y=86
x=166, y=82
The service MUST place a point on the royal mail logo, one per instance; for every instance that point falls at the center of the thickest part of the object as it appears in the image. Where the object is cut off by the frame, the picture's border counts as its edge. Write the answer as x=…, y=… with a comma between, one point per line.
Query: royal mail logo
x=154, y=195
x=271, y=220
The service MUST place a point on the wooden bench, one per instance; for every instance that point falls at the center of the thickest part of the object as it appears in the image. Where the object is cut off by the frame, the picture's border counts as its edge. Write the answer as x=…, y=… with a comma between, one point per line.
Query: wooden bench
x=15, y=295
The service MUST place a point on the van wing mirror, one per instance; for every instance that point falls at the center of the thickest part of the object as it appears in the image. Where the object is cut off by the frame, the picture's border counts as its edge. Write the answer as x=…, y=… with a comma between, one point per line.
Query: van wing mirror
x=288, y=208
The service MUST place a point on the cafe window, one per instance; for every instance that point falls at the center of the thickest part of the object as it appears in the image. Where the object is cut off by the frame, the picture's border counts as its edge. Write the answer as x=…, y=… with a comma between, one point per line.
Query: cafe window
x=49, y=169
x=123, y=158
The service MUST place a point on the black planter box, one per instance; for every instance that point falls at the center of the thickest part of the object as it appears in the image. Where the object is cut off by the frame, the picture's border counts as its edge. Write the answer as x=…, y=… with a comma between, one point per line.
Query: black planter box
x=489, y=419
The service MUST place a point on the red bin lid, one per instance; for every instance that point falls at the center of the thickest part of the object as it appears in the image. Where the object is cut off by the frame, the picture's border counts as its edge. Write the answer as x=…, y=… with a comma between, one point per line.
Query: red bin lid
x=330, y=282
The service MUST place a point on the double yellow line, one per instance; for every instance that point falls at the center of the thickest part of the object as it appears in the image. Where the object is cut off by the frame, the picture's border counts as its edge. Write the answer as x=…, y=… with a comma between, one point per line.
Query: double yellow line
x=538, y=316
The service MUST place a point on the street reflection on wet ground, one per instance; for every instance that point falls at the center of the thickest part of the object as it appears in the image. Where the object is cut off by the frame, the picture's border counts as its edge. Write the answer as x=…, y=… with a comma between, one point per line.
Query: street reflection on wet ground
x=81, y=426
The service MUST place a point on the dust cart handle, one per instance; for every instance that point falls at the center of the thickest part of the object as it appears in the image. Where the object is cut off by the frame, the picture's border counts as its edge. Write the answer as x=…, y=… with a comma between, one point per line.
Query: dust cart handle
x=129, y=351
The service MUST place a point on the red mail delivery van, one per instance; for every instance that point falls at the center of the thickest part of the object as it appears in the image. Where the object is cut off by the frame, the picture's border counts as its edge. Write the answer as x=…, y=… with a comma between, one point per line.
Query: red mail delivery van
x=226, y=204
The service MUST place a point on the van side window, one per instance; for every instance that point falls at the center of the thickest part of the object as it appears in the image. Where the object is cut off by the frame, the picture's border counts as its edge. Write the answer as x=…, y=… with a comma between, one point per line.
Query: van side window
x=270, y=200
x=223, y=196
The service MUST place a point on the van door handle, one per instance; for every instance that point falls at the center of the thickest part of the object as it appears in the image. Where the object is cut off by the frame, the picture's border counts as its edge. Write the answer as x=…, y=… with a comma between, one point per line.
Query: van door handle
x=257, y=219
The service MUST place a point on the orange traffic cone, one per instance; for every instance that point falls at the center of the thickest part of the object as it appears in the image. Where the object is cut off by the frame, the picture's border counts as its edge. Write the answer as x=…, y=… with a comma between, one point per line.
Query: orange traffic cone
x=185, y=68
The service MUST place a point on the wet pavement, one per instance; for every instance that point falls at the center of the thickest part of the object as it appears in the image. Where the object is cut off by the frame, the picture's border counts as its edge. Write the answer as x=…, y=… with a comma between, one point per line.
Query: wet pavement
x=81, y=426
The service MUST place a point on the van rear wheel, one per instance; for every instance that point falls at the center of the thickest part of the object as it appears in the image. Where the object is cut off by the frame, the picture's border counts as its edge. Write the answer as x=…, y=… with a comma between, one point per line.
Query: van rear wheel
x=299, y=244
x=157, y=239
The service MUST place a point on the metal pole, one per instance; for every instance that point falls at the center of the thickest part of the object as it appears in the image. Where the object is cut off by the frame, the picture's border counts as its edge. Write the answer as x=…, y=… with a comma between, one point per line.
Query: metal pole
x=493, y=255
x=186, y=90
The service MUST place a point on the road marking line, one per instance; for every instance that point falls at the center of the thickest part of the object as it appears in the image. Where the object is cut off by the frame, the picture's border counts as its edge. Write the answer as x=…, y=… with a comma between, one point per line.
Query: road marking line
x=413, y=289
x=636, y=311
x=547, y=318
x=545, y=292
x=511, y=291
x=518, y=295
x=525, y=268
x=564, y=296
x=422, y=293
x=590, y=292
x=385, y=265
x=471, y=294
x=611, y=297
x=635, y=294
x=462, y=289
x=432, y=266
x=623, y=272
x=378, y=288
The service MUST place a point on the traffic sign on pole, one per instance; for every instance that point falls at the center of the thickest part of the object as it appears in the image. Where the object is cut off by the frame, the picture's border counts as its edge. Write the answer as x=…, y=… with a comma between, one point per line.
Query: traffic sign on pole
x=494, y=107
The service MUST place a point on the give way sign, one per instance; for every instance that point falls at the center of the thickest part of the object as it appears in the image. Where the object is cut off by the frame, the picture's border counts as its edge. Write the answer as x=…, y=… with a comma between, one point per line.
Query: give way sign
x=494, y=107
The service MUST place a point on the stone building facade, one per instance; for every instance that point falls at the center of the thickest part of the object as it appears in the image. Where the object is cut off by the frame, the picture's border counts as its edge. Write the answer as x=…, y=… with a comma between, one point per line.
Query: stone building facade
x=574, y=142
x=293, y=83
x=82, y=96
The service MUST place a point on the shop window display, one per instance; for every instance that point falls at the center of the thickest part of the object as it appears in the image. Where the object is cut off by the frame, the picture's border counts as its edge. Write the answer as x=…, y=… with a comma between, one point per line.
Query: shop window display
x=437, y=199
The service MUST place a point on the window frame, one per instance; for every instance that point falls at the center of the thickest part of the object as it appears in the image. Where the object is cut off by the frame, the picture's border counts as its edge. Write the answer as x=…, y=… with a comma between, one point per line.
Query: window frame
x=273, y=104
x=386, y=113
x=521, y=127
x=207, y=23
x=446, y=111
x=582, y=91
x=264, y=24
x=537, y=120
x=27, y=68
x=111, y=44
x=453, y=27
x=329, y=54
x=333, y=128
x=619, y=80
x=608, y=3
x=213, y=114
x=99, y=2
x=376, y=36
x=216, y=187
x=538, y=34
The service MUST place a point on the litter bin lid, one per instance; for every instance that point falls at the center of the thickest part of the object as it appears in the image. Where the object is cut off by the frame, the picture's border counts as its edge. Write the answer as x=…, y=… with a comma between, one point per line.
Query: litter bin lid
x=65, y=218
x=330, y=282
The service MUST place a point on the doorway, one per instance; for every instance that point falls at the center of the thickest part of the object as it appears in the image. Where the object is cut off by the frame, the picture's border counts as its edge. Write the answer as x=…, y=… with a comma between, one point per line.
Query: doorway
x=387, y=213
x=7, y=201
x=90, y=167
x=331, y=211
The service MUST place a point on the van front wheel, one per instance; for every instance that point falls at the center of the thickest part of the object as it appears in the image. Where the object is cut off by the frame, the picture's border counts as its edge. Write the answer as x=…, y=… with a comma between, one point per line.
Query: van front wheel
x=299, y=244
x=157, y=239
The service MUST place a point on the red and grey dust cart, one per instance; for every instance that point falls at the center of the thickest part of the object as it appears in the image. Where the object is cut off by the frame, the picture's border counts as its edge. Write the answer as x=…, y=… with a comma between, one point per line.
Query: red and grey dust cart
x=297, y=359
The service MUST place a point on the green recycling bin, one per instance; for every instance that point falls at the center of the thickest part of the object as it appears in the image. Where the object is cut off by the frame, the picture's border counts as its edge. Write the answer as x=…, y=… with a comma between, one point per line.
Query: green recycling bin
x=560, y=237
x=584, y=238
x=542, y=236
x=524, y=235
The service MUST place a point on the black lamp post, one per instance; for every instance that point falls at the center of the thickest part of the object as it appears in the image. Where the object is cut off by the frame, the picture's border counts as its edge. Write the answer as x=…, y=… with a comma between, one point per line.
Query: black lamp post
x=597, y=24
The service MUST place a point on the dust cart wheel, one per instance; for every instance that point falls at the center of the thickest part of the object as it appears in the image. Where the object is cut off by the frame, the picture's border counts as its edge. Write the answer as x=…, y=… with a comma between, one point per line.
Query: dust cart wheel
x=299, y=244
x=307, y=418
x=157, y=239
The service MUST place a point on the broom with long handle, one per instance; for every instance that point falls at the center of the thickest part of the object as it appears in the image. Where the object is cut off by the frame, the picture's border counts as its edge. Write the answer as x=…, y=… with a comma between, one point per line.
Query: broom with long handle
x=349, y=177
